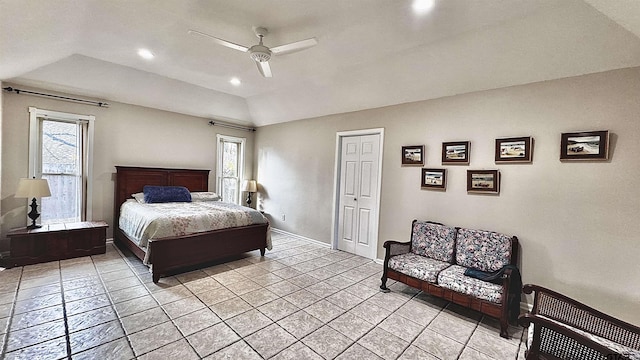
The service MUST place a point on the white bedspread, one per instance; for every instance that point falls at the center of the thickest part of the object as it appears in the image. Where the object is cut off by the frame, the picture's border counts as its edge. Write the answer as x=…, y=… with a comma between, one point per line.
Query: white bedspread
x=142, y=222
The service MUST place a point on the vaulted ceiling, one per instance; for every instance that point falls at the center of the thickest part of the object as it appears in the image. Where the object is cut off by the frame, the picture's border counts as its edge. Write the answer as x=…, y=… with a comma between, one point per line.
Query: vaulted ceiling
x=370, y=53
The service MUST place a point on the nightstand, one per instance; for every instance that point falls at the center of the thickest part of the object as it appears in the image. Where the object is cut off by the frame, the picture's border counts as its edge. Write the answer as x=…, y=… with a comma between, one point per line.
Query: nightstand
x=56, y=242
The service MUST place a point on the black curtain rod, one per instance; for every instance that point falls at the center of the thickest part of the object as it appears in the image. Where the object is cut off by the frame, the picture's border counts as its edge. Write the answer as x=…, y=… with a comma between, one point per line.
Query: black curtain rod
x=231, y=126
x=88, y=102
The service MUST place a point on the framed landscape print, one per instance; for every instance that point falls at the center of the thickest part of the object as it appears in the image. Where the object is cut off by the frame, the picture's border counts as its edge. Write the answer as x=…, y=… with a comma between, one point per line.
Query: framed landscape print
x=434, y=179
x=455, y=153
x=413, y=155
x=514, y=150
x=586, y=145
x=483, y=181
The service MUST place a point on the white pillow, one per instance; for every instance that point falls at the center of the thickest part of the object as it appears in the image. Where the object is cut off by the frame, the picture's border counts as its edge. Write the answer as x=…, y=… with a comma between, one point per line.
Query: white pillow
x=139, y=197
x=204, y=196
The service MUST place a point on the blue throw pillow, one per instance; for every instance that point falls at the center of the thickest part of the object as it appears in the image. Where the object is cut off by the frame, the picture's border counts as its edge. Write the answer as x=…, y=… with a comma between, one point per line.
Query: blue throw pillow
x=164, y=194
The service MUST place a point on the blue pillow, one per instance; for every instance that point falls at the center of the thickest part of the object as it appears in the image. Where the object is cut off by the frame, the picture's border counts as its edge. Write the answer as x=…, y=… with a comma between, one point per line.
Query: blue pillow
x=164, y=194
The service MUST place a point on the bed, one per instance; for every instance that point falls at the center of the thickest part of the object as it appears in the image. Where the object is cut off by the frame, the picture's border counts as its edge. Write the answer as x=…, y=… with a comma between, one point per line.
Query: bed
x=171, y=255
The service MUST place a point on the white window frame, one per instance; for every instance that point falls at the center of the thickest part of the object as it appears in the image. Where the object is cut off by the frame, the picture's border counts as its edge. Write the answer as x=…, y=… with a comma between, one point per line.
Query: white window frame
x=34, y=146
x=221, y=139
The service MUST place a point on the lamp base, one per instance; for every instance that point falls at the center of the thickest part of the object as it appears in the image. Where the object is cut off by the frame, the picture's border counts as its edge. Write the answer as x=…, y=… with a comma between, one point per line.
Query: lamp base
x=249, y=199
x=33, y=215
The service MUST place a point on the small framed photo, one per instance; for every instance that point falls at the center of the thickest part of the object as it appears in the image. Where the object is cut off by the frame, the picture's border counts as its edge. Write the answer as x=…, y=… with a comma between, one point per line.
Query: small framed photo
x=455, y=153
x=413, y=155
x=434, y=179
x=586, y=145
x=483, y=181
x=514, y=150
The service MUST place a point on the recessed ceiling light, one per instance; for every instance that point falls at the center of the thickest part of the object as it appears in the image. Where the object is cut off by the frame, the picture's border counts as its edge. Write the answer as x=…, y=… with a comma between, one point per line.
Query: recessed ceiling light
x=146, y=54
x=422, y=6
x=235, y=81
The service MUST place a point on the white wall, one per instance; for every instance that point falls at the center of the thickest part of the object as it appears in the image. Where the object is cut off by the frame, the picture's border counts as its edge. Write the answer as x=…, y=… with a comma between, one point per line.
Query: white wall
x=125, y=135
x=577, y=222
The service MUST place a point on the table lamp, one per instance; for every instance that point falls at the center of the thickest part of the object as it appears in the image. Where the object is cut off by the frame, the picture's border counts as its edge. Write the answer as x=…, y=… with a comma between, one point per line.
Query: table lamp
x=249, y=186
x=33, y=188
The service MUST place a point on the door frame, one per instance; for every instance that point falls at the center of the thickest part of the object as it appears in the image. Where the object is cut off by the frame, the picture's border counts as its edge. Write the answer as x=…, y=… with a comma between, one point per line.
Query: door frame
x=336, y=185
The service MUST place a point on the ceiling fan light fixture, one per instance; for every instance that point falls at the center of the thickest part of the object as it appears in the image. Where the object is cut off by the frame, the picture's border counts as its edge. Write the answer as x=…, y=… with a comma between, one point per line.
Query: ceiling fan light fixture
x=260, y=53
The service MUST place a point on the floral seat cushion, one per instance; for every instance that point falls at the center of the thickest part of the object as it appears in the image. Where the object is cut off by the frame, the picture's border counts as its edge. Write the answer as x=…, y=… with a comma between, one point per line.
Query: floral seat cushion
x=433, y=240
x=483, y=250
x=453, y=278
x=417, y=266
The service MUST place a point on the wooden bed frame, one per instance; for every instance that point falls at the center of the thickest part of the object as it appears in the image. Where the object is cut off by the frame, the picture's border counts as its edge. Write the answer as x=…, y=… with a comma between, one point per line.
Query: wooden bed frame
x=170, y=255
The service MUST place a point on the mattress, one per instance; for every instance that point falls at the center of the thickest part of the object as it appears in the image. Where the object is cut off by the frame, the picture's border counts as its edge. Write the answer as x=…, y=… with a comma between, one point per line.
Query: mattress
x=141, y=222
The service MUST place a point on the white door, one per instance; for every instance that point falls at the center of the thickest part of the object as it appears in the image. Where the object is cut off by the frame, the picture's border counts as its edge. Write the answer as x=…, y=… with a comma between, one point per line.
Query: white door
x=358, y=197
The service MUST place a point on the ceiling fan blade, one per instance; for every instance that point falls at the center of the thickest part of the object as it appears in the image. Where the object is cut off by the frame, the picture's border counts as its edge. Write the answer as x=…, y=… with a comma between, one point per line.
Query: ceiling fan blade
x=294, y=46
x=220, y=41
x=264, y=68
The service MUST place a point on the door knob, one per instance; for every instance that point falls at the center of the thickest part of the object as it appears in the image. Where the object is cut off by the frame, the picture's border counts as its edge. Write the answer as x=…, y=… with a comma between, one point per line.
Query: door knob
x=354, y=199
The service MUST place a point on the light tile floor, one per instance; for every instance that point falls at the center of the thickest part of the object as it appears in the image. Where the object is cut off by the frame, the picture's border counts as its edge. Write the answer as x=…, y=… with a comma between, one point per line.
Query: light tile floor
x=301, y=301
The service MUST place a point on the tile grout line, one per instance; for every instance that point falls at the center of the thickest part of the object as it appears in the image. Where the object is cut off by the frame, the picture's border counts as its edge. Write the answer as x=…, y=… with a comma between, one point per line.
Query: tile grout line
x=273, y=322
x=126, y=260
x=469, y=339
x=111, y=304
x=254, y=308
x=67, y=336
x=5, y=337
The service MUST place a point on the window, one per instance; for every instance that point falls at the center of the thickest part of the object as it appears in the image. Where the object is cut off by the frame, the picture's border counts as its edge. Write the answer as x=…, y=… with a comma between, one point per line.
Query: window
x=230, y=167
x=60, y=151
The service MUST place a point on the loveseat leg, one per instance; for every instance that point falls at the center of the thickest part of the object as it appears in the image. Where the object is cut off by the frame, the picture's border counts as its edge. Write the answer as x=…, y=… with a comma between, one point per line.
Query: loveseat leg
x=504, y=325
x=383, y=286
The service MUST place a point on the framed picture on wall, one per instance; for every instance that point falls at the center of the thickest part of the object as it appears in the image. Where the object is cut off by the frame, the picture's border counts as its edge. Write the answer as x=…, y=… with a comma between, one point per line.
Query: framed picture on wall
x=483, y=181
x=413, y=155
x=585, y=145
x=434, y=179
x=455, y=153
x=514, y=150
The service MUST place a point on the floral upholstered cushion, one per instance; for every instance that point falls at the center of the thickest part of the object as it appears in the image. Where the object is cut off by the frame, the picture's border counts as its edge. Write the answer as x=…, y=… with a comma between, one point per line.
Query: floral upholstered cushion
x=453, y=278
x=483, y=250
x=433, y=240
x=417, y=266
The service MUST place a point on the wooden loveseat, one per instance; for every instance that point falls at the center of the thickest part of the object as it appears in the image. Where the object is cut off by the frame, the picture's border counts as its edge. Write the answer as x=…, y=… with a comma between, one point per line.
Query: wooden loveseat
x=435, y=261
x=563, y=328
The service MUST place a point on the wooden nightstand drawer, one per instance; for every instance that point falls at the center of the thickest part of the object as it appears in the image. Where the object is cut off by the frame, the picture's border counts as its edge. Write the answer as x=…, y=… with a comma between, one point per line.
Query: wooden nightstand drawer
x=57, y=242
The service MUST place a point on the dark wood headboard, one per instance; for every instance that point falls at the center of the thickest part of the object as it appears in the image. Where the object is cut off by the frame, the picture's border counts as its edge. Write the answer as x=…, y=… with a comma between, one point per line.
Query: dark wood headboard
x=131, y=180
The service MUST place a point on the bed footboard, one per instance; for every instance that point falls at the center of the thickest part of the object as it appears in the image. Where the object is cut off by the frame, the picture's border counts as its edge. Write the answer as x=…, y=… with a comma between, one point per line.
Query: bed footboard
x=169, y=255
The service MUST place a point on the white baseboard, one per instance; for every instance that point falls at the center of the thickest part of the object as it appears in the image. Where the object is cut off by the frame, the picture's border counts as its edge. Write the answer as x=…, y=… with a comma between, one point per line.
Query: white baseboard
x=299, y=237
x=379, y=261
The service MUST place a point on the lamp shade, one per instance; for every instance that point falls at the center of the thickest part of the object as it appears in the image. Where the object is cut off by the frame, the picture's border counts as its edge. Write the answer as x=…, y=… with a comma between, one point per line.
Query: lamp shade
x=249, y=185
x=32, y=188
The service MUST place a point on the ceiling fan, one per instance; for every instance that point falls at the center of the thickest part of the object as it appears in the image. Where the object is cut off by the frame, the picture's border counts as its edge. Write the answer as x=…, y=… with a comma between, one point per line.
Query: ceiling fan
x=260, y=53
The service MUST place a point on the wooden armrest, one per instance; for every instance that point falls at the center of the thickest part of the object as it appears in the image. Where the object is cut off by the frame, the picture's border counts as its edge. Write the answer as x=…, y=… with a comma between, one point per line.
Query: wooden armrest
x=394, y=248
x=551, y=338
x=576, y=314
